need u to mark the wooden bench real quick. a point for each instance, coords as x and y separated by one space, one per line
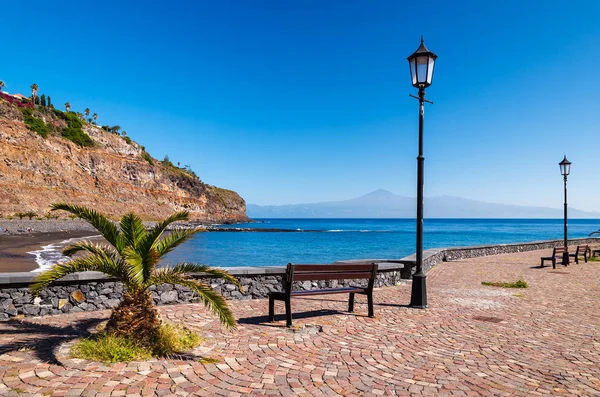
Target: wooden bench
294 272
582 250
557 252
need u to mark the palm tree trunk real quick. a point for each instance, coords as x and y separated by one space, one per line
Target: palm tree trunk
135 317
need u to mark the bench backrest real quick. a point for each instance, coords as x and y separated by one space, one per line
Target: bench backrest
559 251
583 249
302 272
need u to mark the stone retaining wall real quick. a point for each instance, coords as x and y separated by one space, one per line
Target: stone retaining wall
93 291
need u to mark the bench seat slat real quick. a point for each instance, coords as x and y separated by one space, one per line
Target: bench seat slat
328 291
299 276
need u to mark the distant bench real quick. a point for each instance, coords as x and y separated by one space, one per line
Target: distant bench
365 271
557 252
582 250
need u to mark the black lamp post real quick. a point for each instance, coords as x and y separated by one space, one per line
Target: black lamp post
565 169
421 72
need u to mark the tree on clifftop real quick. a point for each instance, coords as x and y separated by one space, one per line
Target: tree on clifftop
34 90
87 111
68 106
132 256
2 85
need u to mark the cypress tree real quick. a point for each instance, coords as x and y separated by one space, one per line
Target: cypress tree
37 100
49 103
43 100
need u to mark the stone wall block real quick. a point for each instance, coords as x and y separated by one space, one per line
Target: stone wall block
77 296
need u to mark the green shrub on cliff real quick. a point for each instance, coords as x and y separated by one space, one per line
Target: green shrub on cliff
73 131
148 158
35 124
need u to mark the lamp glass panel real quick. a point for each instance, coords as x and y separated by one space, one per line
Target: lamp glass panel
567 169
422 62
413 71
430 70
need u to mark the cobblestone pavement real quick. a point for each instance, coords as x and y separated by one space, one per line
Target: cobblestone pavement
472 341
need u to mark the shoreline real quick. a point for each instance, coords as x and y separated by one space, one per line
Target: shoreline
15 248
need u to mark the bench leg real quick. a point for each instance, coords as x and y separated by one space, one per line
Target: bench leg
542 264
288 312
351 303
585 257
576 259
554 263
370 303
271 309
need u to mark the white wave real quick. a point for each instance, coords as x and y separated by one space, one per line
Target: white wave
51 254
351 231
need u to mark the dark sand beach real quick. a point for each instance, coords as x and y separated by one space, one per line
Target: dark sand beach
14 248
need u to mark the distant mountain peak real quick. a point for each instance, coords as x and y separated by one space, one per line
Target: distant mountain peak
379 193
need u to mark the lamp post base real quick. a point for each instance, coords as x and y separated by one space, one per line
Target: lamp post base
565 259
418 297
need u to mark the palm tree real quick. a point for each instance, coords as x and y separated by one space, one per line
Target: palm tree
132 256
95 116
80 115
34 90
2 85
87 111
68 106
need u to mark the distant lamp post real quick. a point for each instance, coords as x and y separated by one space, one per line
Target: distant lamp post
565 169
421 72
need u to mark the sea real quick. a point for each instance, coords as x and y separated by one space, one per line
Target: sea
329 240
281 241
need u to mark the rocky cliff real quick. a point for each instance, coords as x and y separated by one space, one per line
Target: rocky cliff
114 176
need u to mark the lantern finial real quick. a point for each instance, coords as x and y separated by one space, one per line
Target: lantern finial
422 40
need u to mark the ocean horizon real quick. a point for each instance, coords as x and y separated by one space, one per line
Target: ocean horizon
328 240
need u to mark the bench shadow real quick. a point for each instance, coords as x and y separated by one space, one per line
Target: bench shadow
43 339
264 320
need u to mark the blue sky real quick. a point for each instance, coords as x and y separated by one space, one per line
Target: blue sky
306 101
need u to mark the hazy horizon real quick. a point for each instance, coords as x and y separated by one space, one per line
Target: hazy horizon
382 204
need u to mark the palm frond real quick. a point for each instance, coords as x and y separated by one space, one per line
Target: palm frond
134 265
170 242
88 247
107 264
155 232
187 268
108 229
132 230
213 301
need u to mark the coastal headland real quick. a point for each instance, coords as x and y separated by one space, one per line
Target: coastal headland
54 156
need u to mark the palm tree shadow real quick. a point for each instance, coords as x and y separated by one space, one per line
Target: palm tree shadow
43 340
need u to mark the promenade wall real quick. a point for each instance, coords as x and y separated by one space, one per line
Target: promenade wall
88 291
